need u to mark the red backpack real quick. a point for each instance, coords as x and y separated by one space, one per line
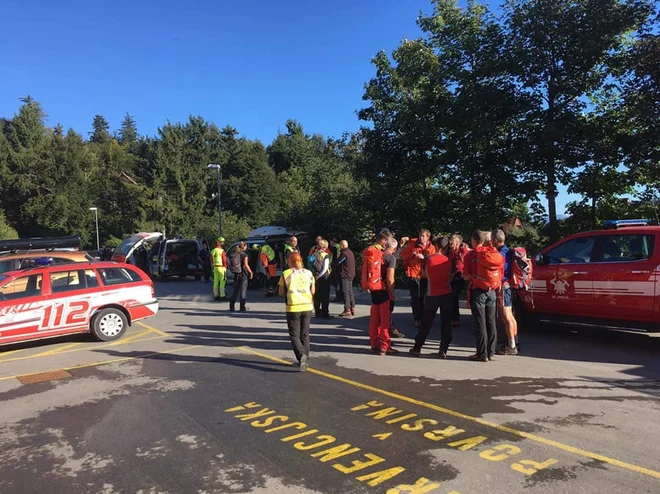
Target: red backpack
521 269
490 268
372 264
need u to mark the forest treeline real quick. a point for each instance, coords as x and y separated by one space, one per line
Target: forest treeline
480 119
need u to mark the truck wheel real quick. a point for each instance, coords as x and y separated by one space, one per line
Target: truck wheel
109 324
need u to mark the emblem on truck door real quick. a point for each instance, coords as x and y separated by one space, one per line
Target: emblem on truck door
560 286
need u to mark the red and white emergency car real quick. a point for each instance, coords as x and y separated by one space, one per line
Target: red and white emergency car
608 278
44 301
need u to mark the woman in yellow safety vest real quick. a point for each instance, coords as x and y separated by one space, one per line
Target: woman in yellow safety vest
297 284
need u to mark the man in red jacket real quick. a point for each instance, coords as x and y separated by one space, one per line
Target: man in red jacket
379 320
456 251
484 269
414 254
439 274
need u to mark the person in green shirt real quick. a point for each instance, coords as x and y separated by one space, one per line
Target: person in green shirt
219 262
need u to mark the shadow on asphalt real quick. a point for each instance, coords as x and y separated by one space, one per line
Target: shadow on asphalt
638 351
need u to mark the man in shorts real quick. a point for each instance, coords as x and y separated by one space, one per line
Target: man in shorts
505 301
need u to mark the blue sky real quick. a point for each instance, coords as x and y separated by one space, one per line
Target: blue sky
252 64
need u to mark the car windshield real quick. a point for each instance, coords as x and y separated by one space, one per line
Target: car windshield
128 244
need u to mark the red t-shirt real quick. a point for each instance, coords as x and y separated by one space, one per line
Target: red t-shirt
438 267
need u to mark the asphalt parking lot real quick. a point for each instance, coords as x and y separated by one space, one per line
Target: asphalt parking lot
198 399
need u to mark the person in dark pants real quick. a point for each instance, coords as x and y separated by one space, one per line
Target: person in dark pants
240 268
413 256
205 261
484 268
321 270
346 272
439 296
297 284
456 252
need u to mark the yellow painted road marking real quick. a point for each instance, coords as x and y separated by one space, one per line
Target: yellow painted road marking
111 361
3 354
127 339
492 425
80 349
56 350
155 330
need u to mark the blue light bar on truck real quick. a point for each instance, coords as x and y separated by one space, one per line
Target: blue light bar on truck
43 261
622 223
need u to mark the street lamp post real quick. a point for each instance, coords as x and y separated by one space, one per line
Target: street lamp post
216 167
96 215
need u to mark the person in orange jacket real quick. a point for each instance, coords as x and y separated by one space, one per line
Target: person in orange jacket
413 255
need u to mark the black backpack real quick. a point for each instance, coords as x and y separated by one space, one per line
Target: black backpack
318 264
235 264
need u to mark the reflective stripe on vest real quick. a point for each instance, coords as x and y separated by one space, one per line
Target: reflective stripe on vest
298 283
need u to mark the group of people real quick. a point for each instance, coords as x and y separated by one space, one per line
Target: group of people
220 265
437 272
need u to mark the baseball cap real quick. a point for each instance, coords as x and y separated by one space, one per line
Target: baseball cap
221 239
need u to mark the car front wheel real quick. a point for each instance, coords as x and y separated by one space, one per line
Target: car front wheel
109 324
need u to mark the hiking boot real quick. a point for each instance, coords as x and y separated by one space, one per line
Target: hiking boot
303 363
346 313
478 358
510 351
243 308
395 333
442 355
415 352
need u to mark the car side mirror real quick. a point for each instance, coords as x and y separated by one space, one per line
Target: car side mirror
540 259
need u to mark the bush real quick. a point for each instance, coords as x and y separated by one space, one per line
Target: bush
7 232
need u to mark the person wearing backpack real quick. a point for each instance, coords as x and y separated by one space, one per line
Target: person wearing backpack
320 267
484 269
240 268
505 302
413 256
373 280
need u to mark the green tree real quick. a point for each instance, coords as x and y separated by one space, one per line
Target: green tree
100 133
7 232
128 132
561 49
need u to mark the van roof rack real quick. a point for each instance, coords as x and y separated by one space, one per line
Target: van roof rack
40 243
614 224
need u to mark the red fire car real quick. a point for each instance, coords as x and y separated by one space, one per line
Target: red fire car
49 300
606 278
